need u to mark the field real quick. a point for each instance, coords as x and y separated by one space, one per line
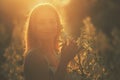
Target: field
93 24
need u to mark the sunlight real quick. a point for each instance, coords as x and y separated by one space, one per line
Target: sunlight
61 2
56 2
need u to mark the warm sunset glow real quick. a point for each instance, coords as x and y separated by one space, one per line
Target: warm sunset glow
61 2
55 2
59 39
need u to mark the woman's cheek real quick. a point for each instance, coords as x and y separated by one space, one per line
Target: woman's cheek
55 30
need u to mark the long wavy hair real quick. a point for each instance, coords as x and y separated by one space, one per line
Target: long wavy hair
30 38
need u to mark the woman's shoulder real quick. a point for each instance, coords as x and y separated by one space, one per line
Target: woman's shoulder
34 56
34 53
35 66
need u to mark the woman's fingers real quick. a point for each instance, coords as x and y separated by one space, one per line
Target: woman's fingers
70 49
73 44
70 45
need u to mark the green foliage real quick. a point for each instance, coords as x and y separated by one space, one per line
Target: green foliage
86 65
13 66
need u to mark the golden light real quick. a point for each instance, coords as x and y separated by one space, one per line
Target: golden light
61 2
56 2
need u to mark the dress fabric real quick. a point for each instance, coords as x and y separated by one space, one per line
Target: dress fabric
37 66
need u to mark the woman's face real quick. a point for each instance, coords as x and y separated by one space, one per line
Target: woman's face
46 24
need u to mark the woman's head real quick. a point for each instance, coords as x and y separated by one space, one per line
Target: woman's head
43 25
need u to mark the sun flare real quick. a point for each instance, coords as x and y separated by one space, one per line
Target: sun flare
56 2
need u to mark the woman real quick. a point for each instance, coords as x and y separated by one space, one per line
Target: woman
42 38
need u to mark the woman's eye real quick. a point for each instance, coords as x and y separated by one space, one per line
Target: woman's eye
41 23
52 21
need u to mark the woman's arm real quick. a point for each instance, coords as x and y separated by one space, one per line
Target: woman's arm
61 71
68 52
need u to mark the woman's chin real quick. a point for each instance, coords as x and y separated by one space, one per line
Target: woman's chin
47 37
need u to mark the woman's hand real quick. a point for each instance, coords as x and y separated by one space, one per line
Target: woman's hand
68 51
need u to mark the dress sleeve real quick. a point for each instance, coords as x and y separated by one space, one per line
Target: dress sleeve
35 67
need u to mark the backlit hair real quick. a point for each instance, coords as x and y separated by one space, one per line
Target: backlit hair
34 14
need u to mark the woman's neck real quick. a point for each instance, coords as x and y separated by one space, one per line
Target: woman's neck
48 49
48 46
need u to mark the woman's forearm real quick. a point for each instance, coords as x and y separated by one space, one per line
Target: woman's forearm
61 71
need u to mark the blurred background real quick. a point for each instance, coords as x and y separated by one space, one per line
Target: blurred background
94 24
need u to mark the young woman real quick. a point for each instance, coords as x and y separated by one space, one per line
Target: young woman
42 38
